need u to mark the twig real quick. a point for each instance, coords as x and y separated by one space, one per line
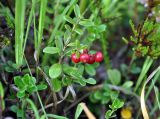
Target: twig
114 87
76 102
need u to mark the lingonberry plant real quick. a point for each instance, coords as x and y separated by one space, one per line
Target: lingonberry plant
61 57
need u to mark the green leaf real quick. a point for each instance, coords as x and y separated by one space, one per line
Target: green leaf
90 70
86 23
114 95
14 108
26 79
55 70
117 104
67 36
127 85
77 11
77 44
67 81
32 80
98 95
101 28
78 111
51 50
81 82
72 71
68 27
68 69
1 90
9 69
135 70
72 44
76 75
92 99
90 81
133 28
31 89
18 82
78 31
114 76
56 85
105 100
59 44
81 69
108 114
69 19
41 87
21 94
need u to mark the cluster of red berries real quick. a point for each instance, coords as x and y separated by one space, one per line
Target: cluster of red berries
87 58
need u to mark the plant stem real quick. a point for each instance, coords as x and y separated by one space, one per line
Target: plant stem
41 105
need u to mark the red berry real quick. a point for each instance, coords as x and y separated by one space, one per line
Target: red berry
74 58
91 59
84 57
98 57
85 51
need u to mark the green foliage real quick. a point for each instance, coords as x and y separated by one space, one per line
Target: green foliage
90 81
114 76
27 85
57 85
2 103
77 11
104 96
51 50
115 105
60 28
90 70
145 37
17 110
127 85
55 70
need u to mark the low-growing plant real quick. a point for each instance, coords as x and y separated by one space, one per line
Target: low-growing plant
63 57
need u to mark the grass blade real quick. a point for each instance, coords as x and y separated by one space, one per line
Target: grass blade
41 25
147 64
143 106
19 30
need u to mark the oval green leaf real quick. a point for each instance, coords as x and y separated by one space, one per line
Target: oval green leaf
90 69
90 81
55 70
51 50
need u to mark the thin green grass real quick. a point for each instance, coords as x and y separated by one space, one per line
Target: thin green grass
19 30
157 96
147 64
143 105
33 106
156 77
29 22
40 27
